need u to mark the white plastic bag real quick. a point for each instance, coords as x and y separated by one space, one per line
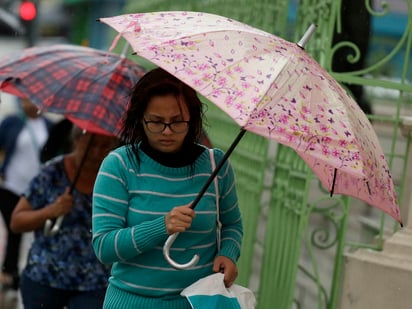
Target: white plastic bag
210 293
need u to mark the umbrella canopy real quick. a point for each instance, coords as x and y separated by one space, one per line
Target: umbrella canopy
88 86
273 88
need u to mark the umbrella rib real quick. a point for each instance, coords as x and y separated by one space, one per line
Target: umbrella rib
333 182
79 168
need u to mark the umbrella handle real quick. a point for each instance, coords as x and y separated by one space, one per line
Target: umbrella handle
170 240
50 230
166 248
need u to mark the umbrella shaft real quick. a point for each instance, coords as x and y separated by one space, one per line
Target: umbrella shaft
218 167
79 168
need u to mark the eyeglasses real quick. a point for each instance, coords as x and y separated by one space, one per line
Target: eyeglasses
160 126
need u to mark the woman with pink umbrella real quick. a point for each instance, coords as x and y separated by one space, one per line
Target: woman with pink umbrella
144 192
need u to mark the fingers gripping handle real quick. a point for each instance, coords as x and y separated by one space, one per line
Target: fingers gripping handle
166 253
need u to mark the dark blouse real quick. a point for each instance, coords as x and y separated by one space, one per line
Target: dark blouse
66 260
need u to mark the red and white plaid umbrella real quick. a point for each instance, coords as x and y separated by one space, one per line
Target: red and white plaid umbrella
88 86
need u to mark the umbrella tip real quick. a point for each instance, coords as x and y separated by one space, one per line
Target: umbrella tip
305 38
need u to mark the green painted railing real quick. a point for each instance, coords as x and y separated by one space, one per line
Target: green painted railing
295 234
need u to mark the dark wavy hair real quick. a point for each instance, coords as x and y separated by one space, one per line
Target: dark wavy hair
159 82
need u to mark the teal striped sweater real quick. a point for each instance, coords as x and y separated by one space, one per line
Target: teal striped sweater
129 205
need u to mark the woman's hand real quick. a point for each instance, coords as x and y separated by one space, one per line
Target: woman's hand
63 204
24 218
225 265
179 219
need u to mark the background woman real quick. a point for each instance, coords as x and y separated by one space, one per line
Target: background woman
62 270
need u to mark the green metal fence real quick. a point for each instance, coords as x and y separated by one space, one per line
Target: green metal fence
295 234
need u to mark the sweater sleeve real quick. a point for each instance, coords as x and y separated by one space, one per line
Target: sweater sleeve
230 216
113 239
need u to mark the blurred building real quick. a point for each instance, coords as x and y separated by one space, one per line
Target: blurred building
83 15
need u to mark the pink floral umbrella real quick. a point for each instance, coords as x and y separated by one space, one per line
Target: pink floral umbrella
273 88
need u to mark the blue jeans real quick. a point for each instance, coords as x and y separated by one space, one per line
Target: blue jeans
36 296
